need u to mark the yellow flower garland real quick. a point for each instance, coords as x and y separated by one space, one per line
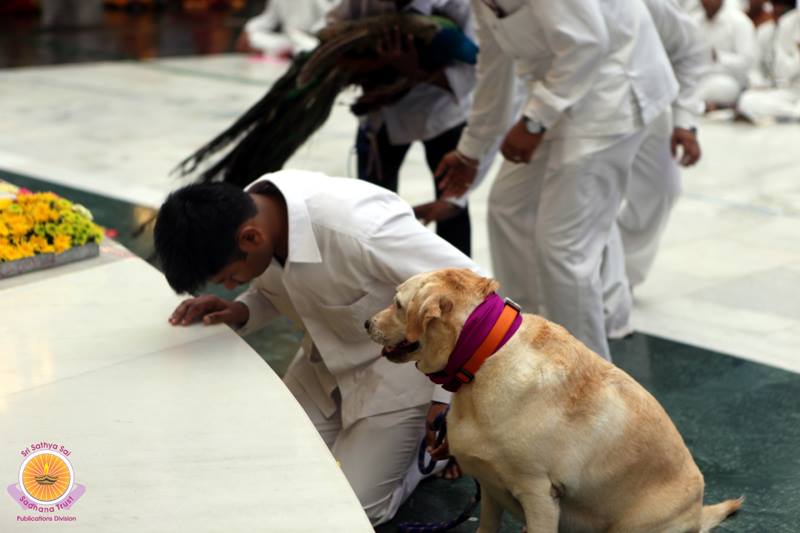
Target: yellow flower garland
43 223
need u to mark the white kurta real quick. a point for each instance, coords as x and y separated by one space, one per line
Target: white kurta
427 110
732 36
350 244
596 74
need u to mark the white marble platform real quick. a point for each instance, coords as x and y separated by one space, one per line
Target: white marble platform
170 429
727 277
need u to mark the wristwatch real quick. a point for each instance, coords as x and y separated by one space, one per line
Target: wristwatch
533 126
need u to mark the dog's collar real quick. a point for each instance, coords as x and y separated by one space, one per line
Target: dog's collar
486 330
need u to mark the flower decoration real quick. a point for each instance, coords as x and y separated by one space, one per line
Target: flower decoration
41 223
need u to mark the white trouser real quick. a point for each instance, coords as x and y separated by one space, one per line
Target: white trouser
377 454
652 191
776 104
550 222
719 88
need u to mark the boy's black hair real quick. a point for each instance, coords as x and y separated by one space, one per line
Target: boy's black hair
195 232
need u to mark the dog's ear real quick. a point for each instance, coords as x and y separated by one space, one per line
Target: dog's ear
488 286
422 310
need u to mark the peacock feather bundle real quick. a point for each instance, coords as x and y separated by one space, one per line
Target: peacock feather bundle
299 103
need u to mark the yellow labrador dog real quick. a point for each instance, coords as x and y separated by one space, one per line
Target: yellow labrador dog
556 435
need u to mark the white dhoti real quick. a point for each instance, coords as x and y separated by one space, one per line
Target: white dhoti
781 105
719 88
550 222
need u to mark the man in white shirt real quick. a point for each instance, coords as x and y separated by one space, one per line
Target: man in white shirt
655 184
327 253
284 27
433 112
778 99
597 77
732 38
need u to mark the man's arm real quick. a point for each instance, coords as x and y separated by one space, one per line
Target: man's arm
491 105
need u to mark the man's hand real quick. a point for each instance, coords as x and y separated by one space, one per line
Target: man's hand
456 173
211 310
440 451
520 144
687 140
399 52
436 211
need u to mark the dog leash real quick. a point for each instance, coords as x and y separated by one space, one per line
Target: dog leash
439 425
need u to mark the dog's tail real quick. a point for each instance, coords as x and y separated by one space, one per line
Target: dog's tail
713 515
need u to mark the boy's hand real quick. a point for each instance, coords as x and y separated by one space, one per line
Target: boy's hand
212 310
457 173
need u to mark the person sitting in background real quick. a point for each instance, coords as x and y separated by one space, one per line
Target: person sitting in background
778 97
284 28
732 38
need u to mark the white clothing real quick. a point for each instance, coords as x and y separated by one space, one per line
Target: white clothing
732 36
656 182
350 244
548 231
719 88
296 20
688 53
591 69
778 97
596 73
382 481
771 105
652 191
763 69
427 110
787 51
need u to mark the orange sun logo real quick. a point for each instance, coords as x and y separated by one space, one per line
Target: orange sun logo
46 477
